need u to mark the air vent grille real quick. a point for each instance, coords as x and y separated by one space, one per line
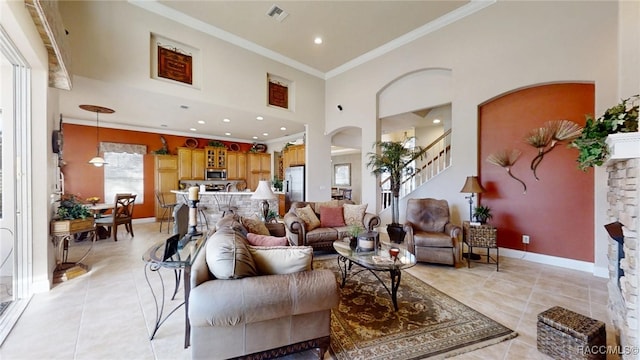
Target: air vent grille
277 13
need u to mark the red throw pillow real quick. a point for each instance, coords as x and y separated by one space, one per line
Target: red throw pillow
331 216
265 240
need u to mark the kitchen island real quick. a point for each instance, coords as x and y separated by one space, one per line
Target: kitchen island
213 203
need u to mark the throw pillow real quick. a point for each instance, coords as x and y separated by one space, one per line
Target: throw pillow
277 260
228 256
255 226
331 216
309 217
265 240
354 214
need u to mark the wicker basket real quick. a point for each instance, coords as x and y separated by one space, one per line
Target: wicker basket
564 334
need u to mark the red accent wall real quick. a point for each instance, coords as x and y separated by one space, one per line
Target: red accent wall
556 211
86 180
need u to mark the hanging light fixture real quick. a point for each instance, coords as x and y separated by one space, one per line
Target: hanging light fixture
97 161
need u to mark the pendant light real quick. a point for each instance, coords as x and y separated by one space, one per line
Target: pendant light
97 161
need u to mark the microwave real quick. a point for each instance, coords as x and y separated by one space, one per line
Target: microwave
215 174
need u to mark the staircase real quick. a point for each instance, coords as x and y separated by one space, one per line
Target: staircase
436 159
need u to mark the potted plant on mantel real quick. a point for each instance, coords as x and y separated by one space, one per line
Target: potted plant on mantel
72 216
394 158
592 146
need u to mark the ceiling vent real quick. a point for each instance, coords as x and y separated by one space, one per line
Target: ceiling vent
277 13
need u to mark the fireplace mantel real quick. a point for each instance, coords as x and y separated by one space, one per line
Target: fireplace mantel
624 145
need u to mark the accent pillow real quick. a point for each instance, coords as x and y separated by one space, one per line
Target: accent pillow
331 216
277 260
228 256
266 240
354 214
309 217
255 226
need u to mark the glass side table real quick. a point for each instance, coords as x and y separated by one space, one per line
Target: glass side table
177 255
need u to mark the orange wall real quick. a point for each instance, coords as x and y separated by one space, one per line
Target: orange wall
86 180
556 211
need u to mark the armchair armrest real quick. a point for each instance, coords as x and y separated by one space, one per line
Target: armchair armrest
452 229
408 229
199 269
371 221
295 229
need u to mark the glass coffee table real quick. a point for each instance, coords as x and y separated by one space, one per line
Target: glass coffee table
375 261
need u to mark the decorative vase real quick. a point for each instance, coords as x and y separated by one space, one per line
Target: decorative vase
396 233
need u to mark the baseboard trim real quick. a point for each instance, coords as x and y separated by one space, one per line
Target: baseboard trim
556 261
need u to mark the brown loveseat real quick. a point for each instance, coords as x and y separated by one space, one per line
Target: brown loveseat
245 313
321 238
430 235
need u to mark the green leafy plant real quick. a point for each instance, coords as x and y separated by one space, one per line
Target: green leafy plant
216 143
277 183
71 208
482 213
592 146
272 216
355 230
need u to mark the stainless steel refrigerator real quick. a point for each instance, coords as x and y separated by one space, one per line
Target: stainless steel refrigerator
293 184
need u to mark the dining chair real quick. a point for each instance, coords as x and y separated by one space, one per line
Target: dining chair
166 209
346 194
122 214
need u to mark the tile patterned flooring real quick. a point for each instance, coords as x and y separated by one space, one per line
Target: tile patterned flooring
109 312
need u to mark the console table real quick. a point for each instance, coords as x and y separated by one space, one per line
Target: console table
62 232
177 255
483 236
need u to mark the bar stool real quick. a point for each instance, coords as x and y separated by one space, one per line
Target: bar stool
201 212
166 208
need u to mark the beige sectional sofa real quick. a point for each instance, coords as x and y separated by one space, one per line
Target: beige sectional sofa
258 302
322 237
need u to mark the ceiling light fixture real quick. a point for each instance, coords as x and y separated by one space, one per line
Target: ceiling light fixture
317 40
228 133
254 137
226 120
265 134
193 129
436 121
184 107
259 118
283 128
97 161
201 122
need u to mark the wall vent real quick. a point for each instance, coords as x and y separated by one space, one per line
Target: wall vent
277 13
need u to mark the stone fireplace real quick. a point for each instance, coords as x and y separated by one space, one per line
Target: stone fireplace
623 197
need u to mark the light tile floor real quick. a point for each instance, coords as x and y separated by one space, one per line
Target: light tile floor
109 313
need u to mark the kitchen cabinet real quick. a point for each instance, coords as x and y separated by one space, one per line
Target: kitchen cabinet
191 164
236 165
258 168
293 155
166 179
216 157
282 209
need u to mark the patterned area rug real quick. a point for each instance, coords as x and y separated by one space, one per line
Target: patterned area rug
428 324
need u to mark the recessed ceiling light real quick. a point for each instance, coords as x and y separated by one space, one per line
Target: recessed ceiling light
254 137
283 128
193 129
436 121
228 133
226 120
317 40
184 107
265 134
200 121
163 125
259 118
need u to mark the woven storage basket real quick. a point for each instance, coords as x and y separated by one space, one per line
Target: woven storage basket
564 334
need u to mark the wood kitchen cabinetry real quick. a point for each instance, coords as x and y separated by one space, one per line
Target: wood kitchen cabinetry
166 179
216 157
236 165
259 168
191 163
293 155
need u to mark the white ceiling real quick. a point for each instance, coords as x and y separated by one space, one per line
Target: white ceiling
353 32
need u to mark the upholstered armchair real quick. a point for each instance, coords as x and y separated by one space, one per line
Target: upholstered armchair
430 235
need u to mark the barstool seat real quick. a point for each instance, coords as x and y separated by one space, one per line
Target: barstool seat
166 209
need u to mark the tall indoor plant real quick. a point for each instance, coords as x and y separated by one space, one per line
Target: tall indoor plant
394 157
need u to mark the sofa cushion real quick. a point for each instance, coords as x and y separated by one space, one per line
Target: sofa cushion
321 235
255 226
309 217
278 260
331 216
353 214
320 204
266 240
228 256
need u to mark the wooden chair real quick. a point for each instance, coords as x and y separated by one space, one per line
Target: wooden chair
166 209
122 214
346 194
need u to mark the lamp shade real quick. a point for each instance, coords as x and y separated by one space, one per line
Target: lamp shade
472 185
263 191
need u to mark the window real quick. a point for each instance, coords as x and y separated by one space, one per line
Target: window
124 173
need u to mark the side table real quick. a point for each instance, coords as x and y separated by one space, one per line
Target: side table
177 255
62 234
483 236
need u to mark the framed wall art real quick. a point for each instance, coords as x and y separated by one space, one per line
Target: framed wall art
342 174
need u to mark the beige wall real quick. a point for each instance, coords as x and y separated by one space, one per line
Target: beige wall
506 46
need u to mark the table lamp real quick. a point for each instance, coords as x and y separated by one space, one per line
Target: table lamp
472 186
263 192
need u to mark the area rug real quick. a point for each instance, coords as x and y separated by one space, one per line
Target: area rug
428 323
